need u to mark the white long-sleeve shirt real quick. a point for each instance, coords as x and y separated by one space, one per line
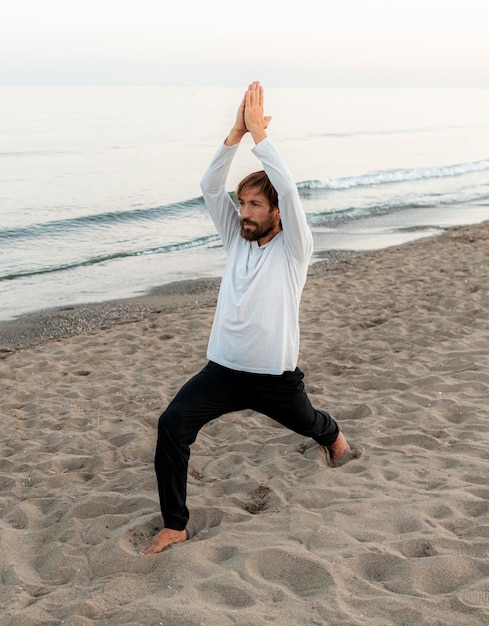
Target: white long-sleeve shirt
256 324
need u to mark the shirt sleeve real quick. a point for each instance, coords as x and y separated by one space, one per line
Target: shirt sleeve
219 203
297 234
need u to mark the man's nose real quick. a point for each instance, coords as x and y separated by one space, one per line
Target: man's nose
244 211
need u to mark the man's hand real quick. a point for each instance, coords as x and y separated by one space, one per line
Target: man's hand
239 124
249 117
239 130
255 120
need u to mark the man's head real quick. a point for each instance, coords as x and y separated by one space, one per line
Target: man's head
258 207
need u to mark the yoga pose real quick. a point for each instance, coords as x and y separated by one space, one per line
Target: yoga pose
254 342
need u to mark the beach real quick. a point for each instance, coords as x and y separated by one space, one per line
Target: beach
394 345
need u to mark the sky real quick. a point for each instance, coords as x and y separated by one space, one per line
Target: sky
326 43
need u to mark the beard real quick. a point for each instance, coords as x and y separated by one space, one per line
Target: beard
258 231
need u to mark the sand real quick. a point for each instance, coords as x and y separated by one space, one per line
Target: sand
394 344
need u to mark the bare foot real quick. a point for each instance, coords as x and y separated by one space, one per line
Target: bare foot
163 539
340 452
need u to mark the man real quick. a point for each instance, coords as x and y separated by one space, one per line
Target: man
254 342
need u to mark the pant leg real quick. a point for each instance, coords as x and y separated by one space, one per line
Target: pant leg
284 399
203 398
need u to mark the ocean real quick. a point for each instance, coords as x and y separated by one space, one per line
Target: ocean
99 186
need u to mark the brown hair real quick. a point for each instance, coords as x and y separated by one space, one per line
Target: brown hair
262 182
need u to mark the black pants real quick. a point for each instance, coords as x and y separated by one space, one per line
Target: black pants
212 392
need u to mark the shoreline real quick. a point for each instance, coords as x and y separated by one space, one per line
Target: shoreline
55 323
51 324
359 236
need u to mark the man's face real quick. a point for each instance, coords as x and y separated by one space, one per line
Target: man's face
259 221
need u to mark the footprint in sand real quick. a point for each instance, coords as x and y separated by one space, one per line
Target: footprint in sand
303 576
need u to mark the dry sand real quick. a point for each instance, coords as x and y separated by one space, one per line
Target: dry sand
394 344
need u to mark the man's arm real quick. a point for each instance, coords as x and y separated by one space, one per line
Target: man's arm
213 184
296 231
218 202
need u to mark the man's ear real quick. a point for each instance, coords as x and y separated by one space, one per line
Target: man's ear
278 215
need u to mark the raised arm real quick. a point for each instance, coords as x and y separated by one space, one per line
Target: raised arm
213 184
295 228
296 231
219 203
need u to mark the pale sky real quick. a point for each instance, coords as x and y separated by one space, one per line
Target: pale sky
331 43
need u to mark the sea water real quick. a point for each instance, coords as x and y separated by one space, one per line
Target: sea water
99 186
